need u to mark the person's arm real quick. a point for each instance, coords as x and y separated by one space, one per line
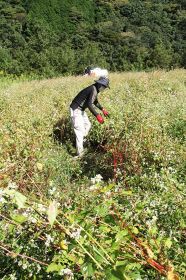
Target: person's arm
91 101
97 104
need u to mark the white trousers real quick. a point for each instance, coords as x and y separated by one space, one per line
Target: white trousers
81 125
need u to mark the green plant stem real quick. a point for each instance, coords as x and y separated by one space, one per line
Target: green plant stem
85 250
89 235
94 248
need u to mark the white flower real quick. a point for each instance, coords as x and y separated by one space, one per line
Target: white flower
41 208
12 277
2 200
149 223
20 263
38 268
27 212
93 188
48 240
108 194
33 220
97 179
12 185
66 271
154 218
76 234
52 191
24 266
93 181
57 194
153 203
84 268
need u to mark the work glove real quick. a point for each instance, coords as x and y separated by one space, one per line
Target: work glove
100 119
106 114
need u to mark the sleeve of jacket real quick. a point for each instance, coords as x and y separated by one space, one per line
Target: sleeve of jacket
91 100
97 104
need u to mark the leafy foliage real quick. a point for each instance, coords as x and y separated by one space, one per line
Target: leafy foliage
63 37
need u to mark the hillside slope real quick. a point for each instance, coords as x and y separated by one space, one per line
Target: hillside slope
50 38
62 16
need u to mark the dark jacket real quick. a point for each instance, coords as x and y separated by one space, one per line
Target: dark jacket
86 98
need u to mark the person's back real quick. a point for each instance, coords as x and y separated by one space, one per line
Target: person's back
82 98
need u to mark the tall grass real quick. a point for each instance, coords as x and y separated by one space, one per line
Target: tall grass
139 151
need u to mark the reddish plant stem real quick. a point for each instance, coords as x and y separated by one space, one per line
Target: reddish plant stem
11 253
160 268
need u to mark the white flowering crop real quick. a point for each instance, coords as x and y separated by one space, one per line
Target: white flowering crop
97 179
76 234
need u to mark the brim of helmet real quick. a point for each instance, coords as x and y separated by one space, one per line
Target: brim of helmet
98 82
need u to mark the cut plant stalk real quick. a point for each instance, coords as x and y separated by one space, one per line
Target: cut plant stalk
85 250
94 240
160 268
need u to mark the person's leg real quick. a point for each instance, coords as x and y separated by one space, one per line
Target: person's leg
87 123
79 129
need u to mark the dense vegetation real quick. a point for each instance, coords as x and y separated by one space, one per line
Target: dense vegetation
59 219
62 37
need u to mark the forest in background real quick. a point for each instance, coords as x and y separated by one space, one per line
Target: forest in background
53 37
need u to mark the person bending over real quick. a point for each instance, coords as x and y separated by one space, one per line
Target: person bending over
87 98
